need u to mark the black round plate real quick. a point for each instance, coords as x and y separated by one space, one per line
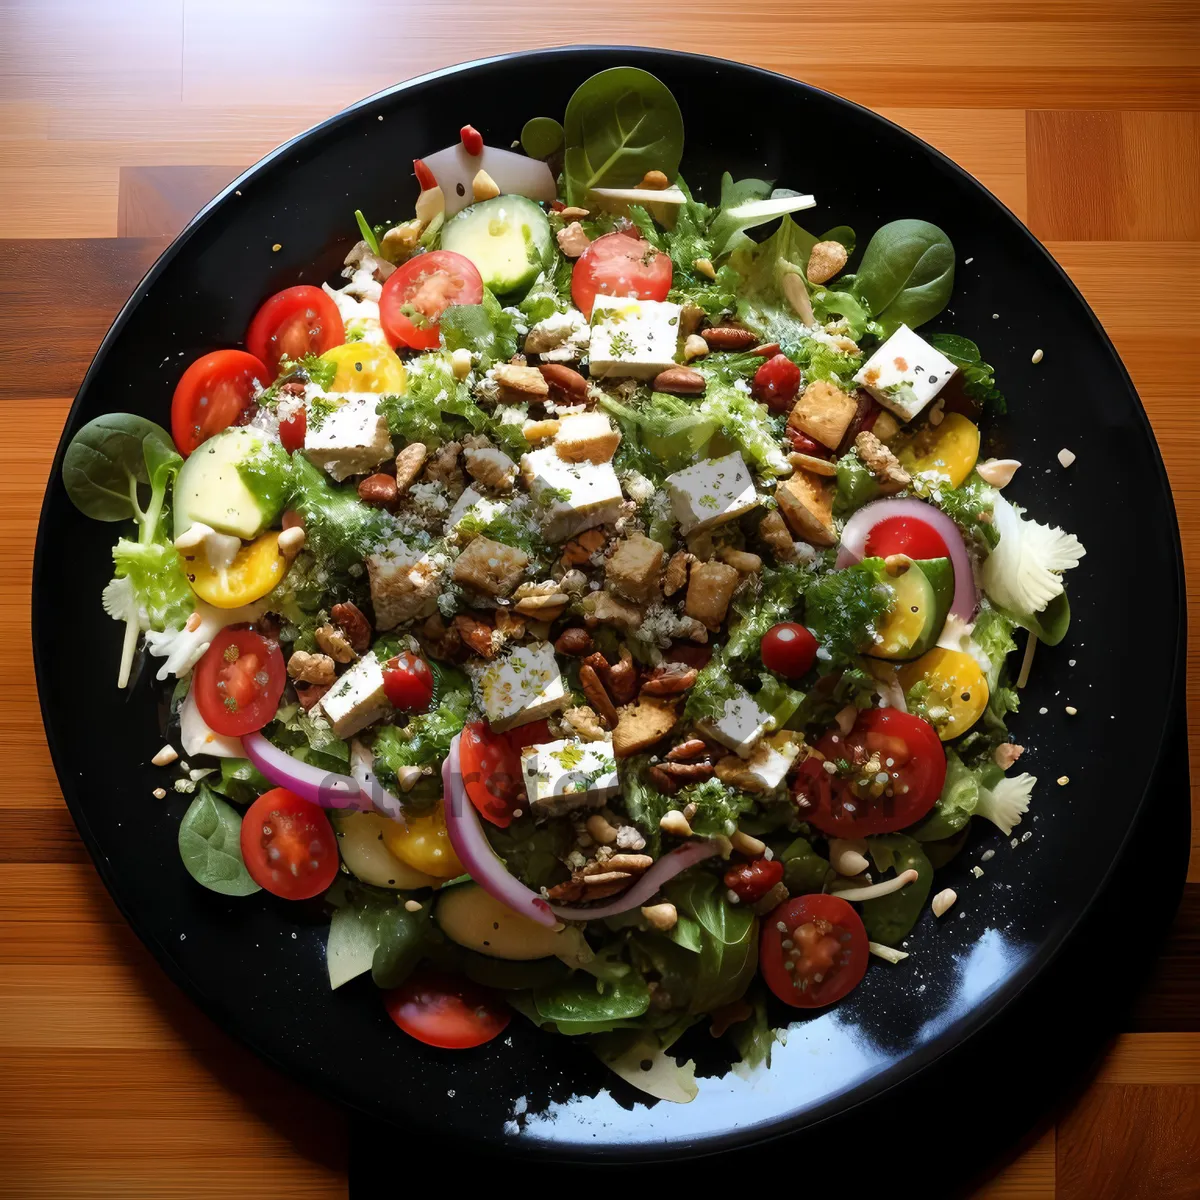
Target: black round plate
257 965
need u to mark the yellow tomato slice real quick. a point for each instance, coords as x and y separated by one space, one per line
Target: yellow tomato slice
366 367
950 448
424 844
957 689
257 568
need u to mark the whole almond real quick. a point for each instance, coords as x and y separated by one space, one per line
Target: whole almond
379 491
682 381
729 337
563 379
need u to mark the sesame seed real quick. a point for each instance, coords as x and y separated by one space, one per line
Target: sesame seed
1063 780
160 793
1071 710
987 855
1037 357
277 247
1066 457
412 905
1043 711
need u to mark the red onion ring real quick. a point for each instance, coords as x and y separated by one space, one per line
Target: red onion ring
475 851
326 788
854 543
667 867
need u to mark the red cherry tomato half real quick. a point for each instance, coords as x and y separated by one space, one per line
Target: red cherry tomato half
238 682
803 444
408 683
416 294
853 803
905 535
288 845
619 264
776 383
491 771
788 649
293 429
216 391
751 881
536 733
297 321
446 1011
823 940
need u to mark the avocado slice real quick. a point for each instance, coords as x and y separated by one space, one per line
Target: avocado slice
233 482
474 918
923 594
507 238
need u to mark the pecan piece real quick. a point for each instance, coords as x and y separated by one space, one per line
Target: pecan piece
681 381
661 780
599 699
685 751
575 642
621 680
676 575
476 634
670 679
580 550
729 337
688 772
409 462
563 379
379 491
349 618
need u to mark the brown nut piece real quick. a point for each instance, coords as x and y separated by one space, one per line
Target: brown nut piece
766 350
379 491
526 382
335 643
576 642
312 668
509 624
309 694
563 379
692 748
443 641
661 780
409 462
729 337
635 864
688 772
680 381
599 699
476 634
676 575
671 679
580 550
655 180
621 679
349 618
825 261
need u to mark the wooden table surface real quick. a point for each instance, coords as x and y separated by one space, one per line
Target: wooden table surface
119 118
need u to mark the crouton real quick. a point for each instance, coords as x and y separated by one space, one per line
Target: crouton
641 725
710 588
404 584
634 567
824 413
586 437
806 501
490 567
603 608
774 531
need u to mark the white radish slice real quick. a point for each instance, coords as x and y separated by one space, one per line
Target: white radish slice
758 212
623 196
514 175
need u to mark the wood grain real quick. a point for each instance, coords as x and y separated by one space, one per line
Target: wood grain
120 118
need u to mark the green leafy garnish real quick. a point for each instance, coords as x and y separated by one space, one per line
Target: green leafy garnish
367 232
843 608
978 377
210 846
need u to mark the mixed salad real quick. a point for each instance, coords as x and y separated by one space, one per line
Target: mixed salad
605 611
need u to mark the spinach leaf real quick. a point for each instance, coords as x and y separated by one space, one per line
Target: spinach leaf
1051 624
108 459
583 1004
533 853
729 947
906 275
953 808
888 919
372 930
804 870
239 781
978 377
403 938
210 846
541 137
620 124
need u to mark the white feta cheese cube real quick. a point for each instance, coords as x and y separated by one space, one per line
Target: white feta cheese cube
711 493
346 433
635 338
570 497
357 699
740 725
769 761
479 507
569 774
522 687
905 373
404 583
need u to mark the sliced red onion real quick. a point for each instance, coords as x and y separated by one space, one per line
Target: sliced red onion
362 769
858 528
667 867
475 851
326 788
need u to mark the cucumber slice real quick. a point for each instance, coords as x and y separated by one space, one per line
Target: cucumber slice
477 920
507 238
922 599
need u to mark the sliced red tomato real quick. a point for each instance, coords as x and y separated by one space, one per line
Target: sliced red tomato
446 1011
905 535
536 733
292 430
491 771
619 264
408 682
417 293
216 391
788 649
889 770
812 950
288 845
238 682
776 383
751 881
297 321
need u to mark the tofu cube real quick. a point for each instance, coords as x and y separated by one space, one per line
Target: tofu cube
404 583
525 686
490 567
710 588
905 373
740 725
711 493
632 338
641 724
569 774
586 437
346 434
765 769
634 567
806 501
570 497
824 413
480 509
357 699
